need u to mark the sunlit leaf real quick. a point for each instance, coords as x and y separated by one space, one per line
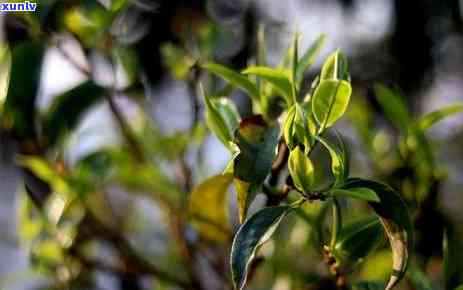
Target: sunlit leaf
339 161
68 108
335 67
432 118
396 221
309 57
357 193
208 207
330 100
278 78
301 170
254 232
393 106
357 239
234 78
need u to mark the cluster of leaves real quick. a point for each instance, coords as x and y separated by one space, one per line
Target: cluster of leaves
305 122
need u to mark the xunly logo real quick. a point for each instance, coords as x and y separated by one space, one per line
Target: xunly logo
20 6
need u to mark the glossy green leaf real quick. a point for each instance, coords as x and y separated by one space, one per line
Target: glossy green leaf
329 101
257 144
229 113
357 193
295 127
432 118
68 108
254 232
278 78
453 260
309 57
393 106
19 107
395 218
335 67
234 78
339 161
301 170
357 239
208 207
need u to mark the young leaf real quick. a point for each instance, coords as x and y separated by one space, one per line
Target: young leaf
295 128
395 218
329 101
393 106
216 122
68 108
358 193
309 57
335 67
254 232
357 240
301 170
234 78
257 144
19 107
453 260
432 118
208 207
278 78
339 162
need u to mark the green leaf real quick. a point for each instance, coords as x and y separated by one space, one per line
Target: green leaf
278 78
68 108
219 120
335 67
358 193
309 57
295 128
368 286
257 144
393 106
453 260
432 118
229 113
19 108
395 218
339 161
330 101
459 287
234 78
357 239
254 232
301 170
246 192
208 207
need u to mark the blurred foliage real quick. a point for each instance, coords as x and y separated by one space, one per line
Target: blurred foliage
288 147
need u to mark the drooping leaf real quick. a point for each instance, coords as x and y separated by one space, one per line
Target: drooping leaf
234 78
301 170
19 108
339 161
453 260
395 218
309 57
254 232
330 100
432 118
335 67
362 193
357 239
257 144
68 108
393 106
278 78
208 207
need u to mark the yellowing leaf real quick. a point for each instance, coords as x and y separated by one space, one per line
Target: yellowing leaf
208 207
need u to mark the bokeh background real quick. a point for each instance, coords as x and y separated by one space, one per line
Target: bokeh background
414 45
